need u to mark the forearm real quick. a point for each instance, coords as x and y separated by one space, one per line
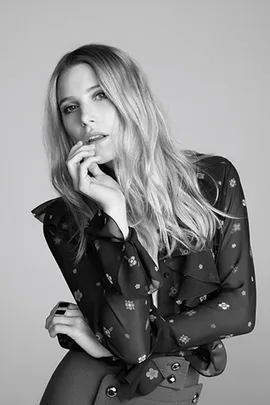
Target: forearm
119 215
95 349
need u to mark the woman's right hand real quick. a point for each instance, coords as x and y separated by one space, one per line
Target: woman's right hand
100 187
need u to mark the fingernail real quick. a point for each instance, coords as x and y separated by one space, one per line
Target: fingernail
60 311
63 304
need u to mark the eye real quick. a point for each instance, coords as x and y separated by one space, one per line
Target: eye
99 94
69 109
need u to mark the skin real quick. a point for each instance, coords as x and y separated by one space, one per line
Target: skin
92 108
99 114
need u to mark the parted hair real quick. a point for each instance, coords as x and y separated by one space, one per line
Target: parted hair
158 179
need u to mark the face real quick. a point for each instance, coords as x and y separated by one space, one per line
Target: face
81 100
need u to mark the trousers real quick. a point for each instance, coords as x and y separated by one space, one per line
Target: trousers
80 379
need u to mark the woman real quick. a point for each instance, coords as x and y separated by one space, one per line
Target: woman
152 241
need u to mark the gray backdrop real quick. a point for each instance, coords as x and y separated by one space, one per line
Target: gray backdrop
208 62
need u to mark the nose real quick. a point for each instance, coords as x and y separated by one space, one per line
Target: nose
87 116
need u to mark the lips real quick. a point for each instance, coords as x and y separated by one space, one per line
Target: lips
96 136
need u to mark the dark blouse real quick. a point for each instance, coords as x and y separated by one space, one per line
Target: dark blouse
203 297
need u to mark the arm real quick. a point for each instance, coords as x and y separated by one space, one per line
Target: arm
230 310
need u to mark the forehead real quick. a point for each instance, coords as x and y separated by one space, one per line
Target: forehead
74 81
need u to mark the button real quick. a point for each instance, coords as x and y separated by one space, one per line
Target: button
195 398
166 274
175 366
171 379
111 392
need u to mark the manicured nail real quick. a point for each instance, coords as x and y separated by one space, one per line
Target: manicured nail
60 312
63 304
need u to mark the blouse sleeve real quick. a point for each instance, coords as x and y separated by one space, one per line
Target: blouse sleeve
230 310
130 276
111 284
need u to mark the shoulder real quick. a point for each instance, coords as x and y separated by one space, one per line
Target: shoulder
53 210
213 165
214 173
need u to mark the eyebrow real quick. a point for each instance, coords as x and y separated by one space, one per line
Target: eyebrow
72 98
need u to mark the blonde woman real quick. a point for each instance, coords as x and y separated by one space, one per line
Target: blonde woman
153 242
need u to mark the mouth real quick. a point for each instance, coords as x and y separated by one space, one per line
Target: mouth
96 138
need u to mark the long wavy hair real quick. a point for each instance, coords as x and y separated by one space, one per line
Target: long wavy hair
157 178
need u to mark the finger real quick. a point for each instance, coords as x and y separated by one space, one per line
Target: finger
76 323
61 305
71 313
74 163
90 164
61 328
81 148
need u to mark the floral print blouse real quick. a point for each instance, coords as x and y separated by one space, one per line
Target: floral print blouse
203 297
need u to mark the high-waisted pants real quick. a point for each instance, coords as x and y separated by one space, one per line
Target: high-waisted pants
80 379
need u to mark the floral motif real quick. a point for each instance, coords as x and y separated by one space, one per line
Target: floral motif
213 325
234 269
190 313
232 182
203 298
236 227
99 336
178 302
227 336
108 331
244 292
57 240
173 290
109 278
184 339
151 289
98 284
78 295
129 305
220 346
142 358
152 318
200 175
132 261
152 373
234 245
127 336
137 286
74 271
200 266
224 306
181 353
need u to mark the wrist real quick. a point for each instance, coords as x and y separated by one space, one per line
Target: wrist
119 215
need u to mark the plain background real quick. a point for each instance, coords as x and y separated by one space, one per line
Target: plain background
208 62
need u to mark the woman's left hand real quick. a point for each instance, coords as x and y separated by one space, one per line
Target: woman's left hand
75 325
